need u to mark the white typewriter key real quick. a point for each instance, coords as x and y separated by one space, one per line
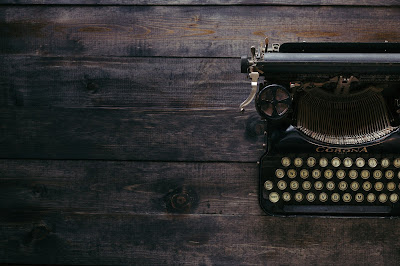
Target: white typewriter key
286 196
291 173
398 174
294 185
311 161
383 198
268 185
379 186
335 162
310 197
323 197
323 162
396 162
359 197
394 198
317 173
391 186
330 185
279 173
365 174
367 186
347 162
335 197
372 162
385 162
304 173
360 162
342 185
274 197
281 185
354 186
328 174
319 185
340 174
371 197
346 197
353 174
389 174
285 161
298 196
377 174
298 162
306 185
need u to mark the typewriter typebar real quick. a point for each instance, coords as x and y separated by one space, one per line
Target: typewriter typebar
332 116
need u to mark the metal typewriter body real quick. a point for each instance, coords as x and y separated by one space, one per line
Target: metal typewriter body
332 116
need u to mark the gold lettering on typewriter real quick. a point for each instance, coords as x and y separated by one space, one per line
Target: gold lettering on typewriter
341 150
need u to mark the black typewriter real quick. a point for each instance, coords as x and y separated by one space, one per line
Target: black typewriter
332 116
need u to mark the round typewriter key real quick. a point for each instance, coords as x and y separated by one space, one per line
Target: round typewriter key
286 196
311 161
360 162
323 197
274 197
298 196
298 162
377 174
281 185
294 185
359 197
330 185
378 186
268 185
285 161
342 185
335 162
328 174
340 174
346 197
323 162
310 197
291 173
335 197
347 162
389 174
279 173
383 198
372 162
394 198
391 186
304 173
385 162
398 174
319 185
371 197
317 173
354 186
396 162
306 185
365 174
353 174
367 186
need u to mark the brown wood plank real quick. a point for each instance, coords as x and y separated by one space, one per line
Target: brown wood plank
130 134
191 31
101 238
32 188
124 82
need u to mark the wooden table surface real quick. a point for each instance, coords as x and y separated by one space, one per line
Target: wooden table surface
121 140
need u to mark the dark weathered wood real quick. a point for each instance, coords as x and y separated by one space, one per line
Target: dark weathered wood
129 82
33 188
130 134
204 31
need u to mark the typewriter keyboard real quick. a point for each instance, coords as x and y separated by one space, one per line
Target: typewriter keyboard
330 184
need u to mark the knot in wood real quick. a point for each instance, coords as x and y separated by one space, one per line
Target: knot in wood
181 200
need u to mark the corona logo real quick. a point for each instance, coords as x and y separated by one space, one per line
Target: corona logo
339 150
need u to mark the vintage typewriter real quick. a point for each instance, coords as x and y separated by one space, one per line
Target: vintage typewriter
332 116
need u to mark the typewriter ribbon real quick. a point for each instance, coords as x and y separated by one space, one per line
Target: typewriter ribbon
333 113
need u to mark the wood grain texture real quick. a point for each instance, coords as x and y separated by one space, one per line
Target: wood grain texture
130 134
191 31
124 82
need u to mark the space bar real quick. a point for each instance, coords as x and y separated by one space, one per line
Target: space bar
336 209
